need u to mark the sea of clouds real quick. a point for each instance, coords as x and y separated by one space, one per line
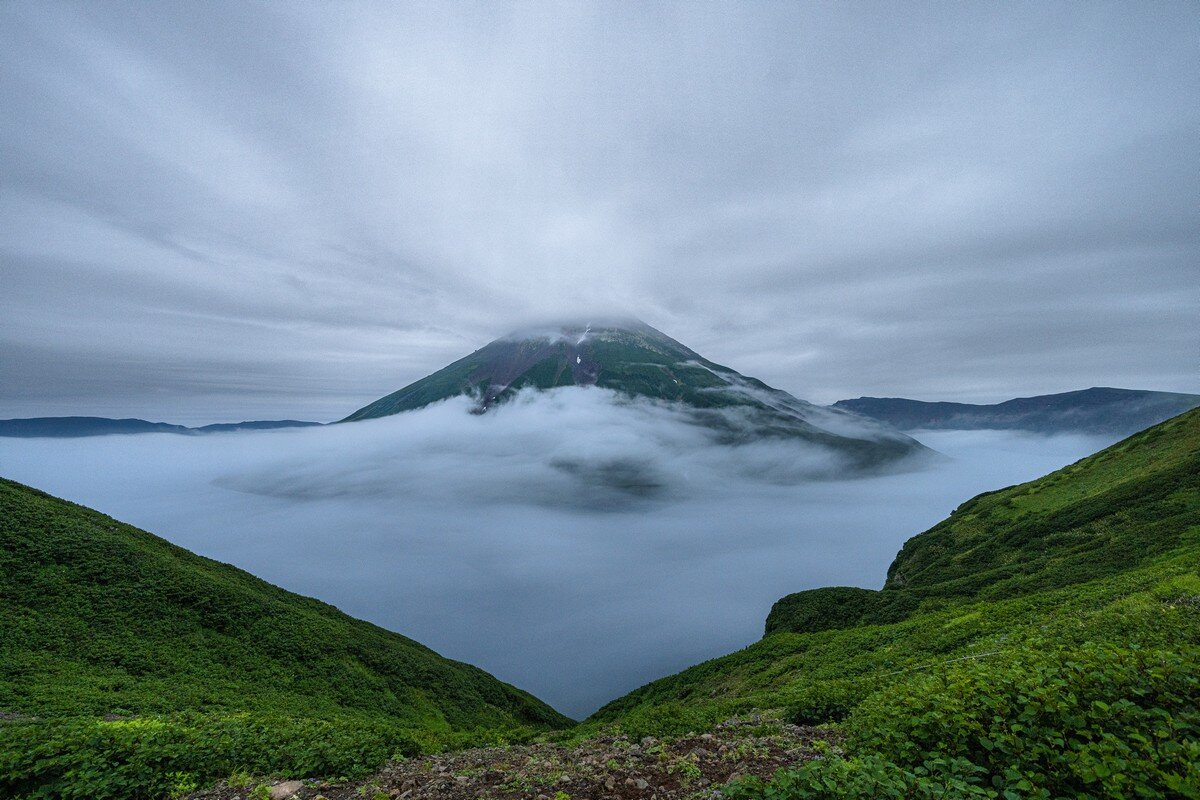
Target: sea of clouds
570 542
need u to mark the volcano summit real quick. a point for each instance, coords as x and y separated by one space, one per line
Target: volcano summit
636 361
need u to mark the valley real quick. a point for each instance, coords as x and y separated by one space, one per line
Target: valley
1086 576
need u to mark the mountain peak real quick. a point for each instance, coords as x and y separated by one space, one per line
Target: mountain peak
633 359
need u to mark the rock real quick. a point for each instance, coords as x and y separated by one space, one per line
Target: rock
640 783
282 791
610 783
649 741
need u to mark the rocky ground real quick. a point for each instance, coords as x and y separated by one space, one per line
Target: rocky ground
603 768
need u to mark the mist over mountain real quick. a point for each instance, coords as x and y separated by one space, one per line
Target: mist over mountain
1099 411
637 362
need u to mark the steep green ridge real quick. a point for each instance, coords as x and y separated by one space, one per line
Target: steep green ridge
1101 516
1085 583
636 360
100 618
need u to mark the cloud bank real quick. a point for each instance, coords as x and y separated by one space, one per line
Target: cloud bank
575 546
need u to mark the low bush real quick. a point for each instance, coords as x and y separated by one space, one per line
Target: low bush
1098 722
823 702
157 757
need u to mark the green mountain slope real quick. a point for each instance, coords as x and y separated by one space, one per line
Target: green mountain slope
1088 576
100 618
636 360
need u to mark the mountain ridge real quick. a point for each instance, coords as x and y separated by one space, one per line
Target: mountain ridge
80 426
1099 410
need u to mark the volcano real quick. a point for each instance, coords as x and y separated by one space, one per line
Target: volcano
637 362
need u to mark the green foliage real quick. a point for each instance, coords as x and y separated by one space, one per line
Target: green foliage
1099 720
870 777
102 619
156 757
668 719
822 702
829 608
1095 722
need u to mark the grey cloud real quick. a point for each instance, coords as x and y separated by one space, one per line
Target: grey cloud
838 199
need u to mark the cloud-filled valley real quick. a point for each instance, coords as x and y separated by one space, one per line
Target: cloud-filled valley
569 542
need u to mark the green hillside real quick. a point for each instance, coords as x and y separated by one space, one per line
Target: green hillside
120 646
1043 641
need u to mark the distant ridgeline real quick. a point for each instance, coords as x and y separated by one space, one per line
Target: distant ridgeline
70 427
1117 412
1043 641
635 360
130 667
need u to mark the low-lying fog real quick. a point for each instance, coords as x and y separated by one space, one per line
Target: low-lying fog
571 545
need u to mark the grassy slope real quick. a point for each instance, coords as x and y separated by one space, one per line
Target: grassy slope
100 618
1101 551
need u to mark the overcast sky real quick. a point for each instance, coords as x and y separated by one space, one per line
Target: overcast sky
224 211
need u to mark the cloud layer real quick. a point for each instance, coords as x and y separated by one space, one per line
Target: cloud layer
229 210
572 545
